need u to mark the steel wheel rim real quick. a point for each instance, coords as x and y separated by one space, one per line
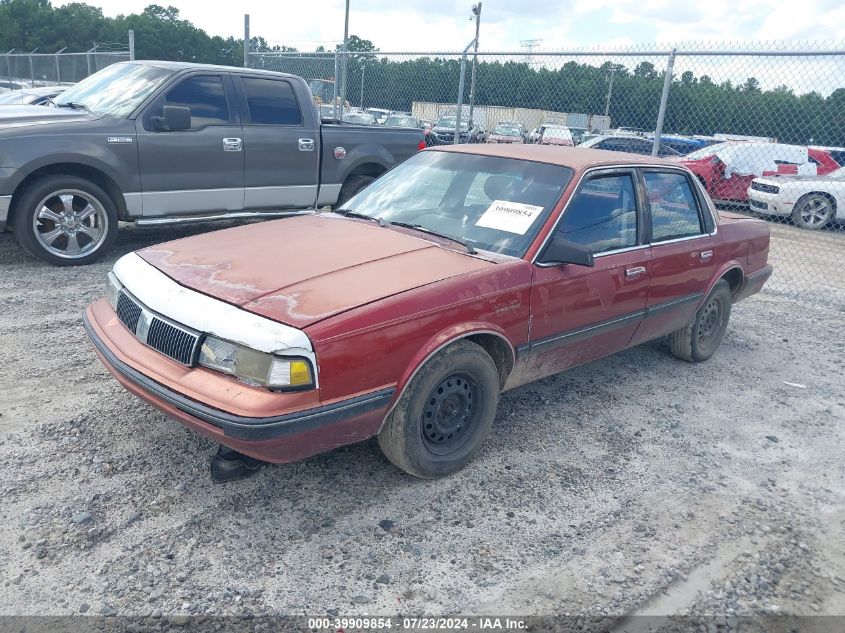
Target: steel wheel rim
815 212
70 223
710 322
450 413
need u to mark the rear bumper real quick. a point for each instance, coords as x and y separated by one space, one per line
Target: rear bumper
5 203
754 282
277 438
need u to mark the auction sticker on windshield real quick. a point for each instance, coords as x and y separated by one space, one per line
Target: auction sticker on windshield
513 217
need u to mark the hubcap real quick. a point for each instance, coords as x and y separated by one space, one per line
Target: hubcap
450 413
70 223
711 321
815 212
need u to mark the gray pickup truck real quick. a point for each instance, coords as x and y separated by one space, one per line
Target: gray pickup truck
162 142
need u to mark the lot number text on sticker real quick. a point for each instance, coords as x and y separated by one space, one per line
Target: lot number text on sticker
513 217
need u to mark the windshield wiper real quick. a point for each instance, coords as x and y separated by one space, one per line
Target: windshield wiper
419 227
73 105
349 213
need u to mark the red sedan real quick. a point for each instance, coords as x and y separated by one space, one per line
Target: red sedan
463 272
727 169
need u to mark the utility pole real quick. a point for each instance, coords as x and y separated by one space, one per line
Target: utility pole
476 15
131 44
609 90
246 40
345 57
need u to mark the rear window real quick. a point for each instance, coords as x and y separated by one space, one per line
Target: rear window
271 102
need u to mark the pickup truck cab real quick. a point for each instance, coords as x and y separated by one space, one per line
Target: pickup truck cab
159 142
465 271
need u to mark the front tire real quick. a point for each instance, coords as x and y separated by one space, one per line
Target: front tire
65 220
702 336
813 211
445 414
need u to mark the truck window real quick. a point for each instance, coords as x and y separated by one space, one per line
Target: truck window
205 95
271 102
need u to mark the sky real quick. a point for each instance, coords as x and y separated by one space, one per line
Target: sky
445 25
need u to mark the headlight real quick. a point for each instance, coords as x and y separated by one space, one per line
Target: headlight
113 291
252 366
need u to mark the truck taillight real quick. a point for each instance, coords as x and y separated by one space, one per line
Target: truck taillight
421 145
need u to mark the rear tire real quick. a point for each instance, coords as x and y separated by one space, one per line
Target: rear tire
65 220
702 336
445 414
353 185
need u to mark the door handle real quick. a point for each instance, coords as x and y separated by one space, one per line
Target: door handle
632 273
232 144
306 145
705 255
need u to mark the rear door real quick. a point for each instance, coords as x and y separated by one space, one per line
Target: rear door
281 144
196 170
683 250
580 313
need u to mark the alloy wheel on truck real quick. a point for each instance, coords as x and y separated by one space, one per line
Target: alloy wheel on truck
65 220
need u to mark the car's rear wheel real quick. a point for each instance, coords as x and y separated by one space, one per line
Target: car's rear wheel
445 414
351 186
65 220
702 336
813 211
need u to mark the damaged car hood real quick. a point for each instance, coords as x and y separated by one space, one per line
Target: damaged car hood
304 269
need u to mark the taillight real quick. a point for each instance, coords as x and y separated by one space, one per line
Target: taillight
420 145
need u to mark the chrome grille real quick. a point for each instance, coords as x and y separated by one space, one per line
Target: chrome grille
128 311
759 186
164 336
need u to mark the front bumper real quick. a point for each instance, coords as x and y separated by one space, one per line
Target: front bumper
5 203
769 203
298 429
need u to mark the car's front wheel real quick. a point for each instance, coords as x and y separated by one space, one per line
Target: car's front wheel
813 211
702 336
65 220
445 414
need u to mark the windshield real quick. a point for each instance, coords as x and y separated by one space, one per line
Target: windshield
495 204
704 152
116 90
449 124
506 130
400 121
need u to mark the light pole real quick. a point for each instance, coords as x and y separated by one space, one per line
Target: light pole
476 15
345 56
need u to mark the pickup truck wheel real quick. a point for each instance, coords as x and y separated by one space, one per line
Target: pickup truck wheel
813 211
65 221
350 187
702 336
445 413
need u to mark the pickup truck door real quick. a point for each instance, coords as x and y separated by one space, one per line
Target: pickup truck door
580 313
281 144
684 252
197 170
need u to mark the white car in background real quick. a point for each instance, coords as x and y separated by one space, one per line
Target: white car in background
811 201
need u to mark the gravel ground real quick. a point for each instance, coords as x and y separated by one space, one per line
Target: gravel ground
637 485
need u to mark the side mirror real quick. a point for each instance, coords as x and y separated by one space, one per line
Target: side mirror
561 251
173 118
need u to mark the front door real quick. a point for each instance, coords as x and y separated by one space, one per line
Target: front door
580 313
198 170
683 251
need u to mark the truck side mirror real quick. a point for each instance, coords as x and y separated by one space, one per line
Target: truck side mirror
173 118
561 251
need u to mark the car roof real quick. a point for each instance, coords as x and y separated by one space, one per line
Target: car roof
177 66
578 158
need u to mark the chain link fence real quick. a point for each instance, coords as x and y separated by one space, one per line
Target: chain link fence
762 127
26 70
